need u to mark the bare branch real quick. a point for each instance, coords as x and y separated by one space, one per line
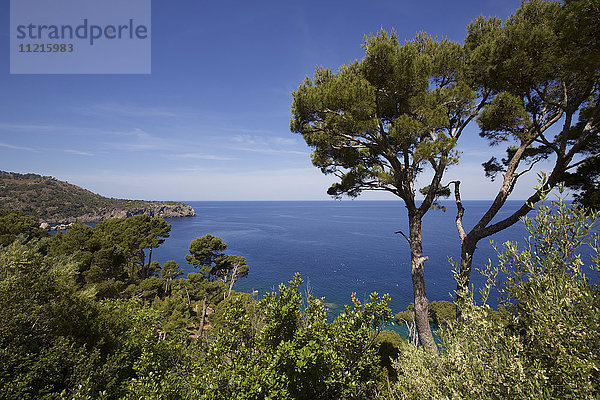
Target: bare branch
584 137
475 112
460 210
433 187
582 161
542 139
356 146
552 181
564 134
506 188
532 164
557 115
405 237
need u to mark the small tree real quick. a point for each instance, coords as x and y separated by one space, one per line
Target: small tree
132 237
232 269
14 223
206 252
169 271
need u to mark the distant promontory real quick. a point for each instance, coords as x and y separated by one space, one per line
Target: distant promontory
56 202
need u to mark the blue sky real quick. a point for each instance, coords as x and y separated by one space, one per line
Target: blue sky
211 122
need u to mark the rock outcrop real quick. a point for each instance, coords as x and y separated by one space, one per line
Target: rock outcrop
162 210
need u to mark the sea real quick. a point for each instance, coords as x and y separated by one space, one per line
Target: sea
338 247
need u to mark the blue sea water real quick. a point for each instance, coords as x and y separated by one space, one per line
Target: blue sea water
339 247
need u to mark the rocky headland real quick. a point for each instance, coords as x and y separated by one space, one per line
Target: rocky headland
58 204
163 210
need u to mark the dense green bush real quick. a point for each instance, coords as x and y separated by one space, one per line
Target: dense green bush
278 349
14 223
55 338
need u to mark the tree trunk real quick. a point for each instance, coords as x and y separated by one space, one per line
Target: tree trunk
233 278
168 286
203 317
131 269
467 249
143 266
418 280
483 228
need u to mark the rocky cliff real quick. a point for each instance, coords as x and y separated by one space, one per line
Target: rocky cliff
163 210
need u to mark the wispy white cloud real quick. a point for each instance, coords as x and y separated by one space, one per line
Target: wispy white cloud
247 132
139 140
77 152
28 127
130 110
83 129
137 133
201 156
10 146
271 151
267 144
195 170
285 141
264 140
45 149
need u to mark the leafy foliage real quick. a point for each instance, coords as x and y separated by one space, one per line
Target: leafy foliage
54 338
58 340
112 256
543 64
377 122
14 223
206 252
541 70
279 349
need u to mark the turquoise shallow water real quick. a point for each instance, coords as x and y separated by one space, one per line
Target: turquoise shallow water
339 247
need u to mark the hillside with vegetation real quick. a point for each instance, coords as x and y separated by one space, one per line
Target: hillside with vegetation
53 201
